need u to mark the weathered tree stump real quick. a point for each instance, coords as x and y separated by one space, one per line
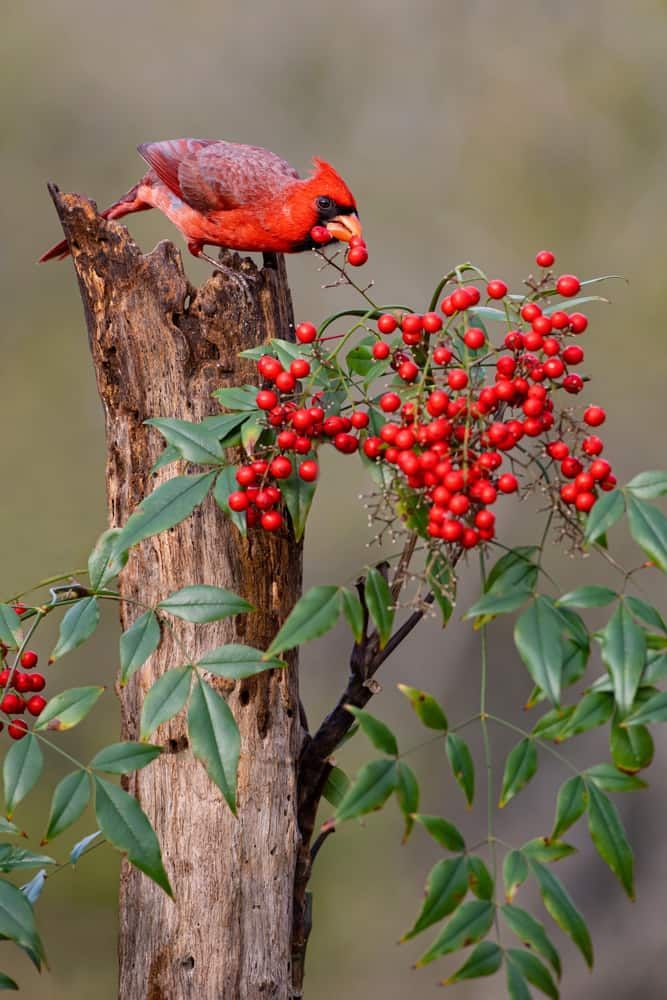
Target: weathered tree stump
160 347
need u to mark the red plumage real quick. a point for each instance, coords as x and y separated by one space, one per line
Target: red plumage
241 197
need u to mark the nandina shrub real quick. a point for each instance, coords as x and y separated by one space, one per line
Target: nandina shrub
471 405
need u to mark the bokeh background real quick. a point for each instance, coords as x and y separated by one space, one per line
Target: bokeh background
472 130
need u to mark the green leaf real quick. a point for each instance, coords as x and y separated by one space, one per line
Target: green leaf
533 970
10 627
559 904
237 397
537 635
215 739
123 758
377 731
6 983
442 831
656 667
105 562
587 597
79 848
532 933
165 699
461 763
547 851
654 710
17 921
498 604
648 485
78 624
336 786
70 798
428 710
624 654
594 709
203 603
224 485
298 496
354 613
312 616
68 708
570 805
631 748
471 922
137 643
604 515
168 505
645 611
515 873
251 431
371 789
514 569
442 581
479 878
168 455
609 779
553 723
237 662
516 984
21 769
484 960
194 442
648 527
520 767
407 793
608 836
380 604
126 827
226 427
8 829
359 360
446 886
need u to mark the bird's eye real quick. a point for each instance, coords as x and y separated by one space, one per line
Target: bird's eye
325 204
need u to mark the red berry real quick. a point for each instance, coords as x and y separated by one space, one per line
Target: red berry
412 323
459 504
372 447
11 704
545 258
530 311
306 333
584 501
386 323
592 445
381 350
21 682
37 682
389 402
470 538
447 306
485 519
266 399
271 520
578 322
573 383
558 450
584 482
573 355
568 492
357 256
359 419
570 467
474 338
473 295
246 476
442 355
508 483
320 235
496 289
457 379
451 530
302 445
286 440
541 324
280 467
408 371
29 659
17 729
600 469
594 416
4 677
308 471
285 381
554 367
237 501
559 320
316 414
299 368
431 322
36 704
461 299
269 367
568 285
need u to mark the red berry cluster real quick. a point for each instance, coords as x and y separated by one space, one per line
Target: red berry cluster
22 688
298 431
357 252
456 423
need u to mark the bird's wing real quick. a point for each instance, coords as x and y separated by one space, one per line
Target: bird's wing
217 176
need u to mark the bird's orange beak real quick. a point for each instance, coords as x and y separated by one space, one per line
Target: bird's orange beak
344 227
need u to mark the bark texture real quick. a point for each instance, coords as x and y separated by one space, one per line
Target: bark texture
159 348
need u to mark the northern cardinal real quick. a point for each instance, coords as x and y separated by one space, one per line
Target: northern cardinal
241 197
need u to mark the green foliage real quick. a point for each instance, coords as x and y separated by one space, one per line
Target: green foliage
168 505
214 738
78 624
380 604
21 769
608 835
377 732
68 708
70 798
427 709
461 763
137 643
446 887
538 638
204 603
520 767
165 699
313 615
237 662
374 784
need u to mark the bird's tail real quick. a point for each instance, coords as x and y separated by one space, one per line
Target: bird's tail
130 202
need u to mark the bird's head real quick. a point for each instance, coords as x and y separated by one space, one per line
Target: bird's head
322 199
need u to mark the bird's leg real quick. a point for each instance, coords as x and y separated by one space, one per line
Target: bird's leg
196 249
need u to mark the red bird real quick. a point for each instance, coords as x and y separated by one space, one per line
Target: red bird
241 197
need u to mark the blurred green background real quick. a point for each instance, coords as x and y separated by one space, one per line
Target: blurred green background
475 130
